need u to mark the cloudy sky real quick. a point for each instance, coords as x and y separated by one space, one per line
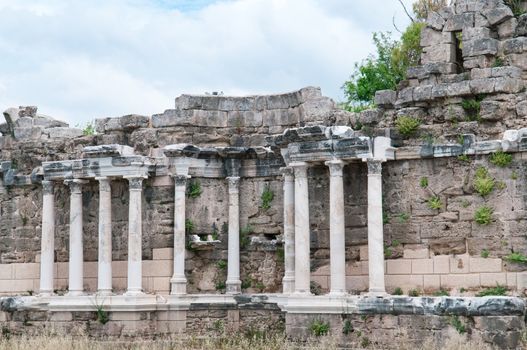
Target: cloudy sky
78 60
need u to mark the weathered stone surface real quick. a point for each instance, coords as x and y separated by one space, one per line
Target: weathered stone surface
521 28
64 132
476 47
497 15
435 21
459 21
385 98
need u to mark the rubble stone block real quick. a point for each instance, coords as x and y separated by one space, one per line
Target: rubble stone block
435 21
459 21
498 15
476 47
385 98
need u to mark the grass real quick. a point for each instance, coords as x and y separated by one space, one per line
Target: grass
457 324
434 203
189 226
407 126
413 293
403 217
423 182
222 264
483 183
442 293
472 107
463 158
485 253
245 240
397 291
494 291
483 215
500 159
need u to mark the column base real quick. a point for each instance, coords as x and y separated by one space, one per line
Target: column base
288 285
338 293
234 287
74 293
178 286
133 292
104 292
302 293
377 293
45 293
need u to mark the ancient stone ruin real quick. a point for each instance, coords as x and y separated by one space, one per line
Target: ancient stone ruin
278 211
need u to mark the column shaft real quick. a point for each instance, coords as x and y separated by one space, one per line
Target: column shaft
375 229
135 270
179 281
302 229
337 245
47 253
233 264
104 279
76 261
288 282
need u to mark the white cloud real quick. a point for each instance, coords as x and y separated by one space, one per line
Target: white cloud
82 59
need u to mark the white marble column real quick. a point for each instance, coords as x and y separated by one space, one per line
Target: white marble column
47 252
302 230
104 277
76 261
337 246
288 282
179 281
375 229
135 222
233 263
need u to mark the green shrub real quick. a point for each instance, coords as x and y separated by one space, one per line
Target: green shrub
495 291
514 175
485 253
498 62
516 257
516 7
247 283
407 126
457 324
194 189
102 315
423 182
434 203
89 129
267 197
319 327
220 285
397 291
483 183
483 215
500 159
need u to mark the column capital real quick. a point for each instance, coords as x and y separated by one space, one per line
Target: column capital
233 181
374 166
180 180
300 169
287 173
335 167
47 187
135 182
104 183
75 185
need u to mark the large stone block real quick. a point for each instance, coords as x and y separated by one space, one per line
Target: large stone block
439 53
521 28
515 45
476 47
385 98
459 21
497 15
435 21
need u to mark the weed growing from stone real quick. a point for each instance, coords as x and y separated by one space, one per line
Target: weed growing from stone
514 175
347 328
247 283
472 107
485 253
413 293
194 189
222 264
434 203
500 159
465 203
89 129
498 62
423 182
220 285
244 236
442 293
457 324
463 158
407 126
403 217
365 342
516 257
280 254
483 215
319 328
494 291
267 197
483 183
189 226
